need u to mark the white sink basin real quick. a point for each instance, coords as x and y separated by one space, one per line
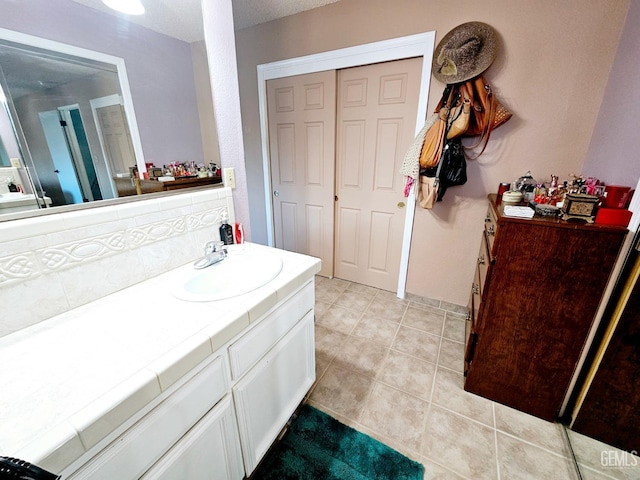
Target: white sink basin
241 272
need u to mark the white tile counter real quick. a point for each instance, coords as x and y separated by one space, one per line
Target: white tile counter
70 381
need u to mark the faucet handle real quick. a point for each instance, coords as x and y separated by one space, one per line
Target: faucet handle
212 247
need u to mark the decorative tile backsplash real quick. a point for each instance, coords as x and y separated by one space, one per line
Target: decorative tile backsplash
61 261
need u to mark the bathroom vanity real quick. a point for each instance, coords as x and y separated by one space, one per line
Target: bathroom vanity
163 388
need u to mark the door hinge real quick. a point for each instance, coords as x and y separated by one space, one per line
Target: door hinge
63 123
335 197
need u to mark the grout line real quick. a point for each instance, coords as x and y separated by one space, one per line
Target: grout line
573 455
495 439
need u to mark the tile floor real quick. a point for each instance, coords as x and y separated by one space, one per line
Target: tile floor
392 369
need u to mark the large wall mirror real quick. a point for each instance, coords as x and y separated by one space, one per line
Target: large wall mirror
96 107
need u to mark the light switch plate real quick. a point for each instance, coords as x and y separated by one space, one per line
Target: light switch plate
229 176
15 163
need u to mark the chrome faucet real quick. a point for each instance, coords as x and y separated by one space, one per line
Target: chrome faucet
214 252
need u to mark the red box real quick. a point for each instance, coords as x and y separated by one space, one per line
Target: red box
613 216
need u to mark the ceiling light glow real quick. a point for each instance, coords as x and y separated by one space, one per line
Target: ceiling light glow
130 7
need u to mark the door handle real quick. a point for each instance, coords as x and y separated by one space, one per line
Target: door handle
56 171
276 193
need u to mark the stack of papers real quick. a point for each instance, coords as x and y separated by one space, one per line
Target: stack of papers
518 211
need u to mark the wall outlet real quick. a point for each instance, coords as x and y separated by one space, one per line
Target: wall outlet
15 163
229 175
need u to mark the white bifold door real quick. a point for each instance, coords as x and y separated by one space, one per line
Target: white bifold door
337 140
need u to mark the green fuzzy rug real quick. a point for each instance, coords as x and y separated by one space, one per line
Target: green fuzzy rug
319 447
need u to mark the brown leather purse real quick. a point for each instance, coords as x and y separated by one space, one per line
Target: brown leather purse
459 116
487 112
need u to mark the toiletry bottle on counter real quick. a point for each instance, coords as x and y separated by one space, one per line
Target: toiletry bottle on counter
226 231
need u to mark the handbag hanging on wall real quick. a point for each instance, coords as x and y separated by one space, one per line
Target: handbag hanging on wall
434 138
487 113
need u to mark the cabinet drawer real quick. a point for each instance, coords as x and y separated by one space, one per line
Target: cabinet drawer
145 442
491 229
485 260
246 351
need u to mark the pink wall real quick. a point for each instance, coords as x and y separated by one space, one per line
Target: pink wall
551 71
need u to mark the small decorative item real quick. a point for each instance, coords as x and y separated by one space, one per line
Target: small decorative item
579 206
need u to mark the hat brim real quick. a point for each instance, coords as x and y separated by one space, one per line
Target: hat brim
484 59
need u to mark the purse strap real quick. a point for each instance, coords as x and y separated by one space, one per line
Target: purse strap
484 137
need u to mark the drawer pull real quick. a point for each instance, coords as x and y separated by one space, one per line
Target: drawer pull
487 218
475 289
491 230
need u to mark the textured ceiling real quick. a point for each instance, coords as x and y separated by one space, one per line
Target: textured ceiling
183 18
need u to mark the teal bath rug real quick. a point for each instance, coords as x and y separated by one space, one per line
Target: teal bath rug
318 447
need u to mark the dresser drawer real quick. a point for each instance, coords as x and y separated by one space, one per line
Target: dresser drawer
491 229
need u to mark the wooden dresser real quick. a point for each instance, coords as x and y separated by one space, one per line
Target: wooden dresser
536 291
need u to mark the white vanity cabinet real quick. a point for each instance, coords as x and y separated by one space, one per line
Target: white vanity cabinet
269 393
218 421
131 454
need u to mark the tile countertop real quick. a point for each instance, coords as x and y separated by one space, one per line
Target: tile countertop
70 381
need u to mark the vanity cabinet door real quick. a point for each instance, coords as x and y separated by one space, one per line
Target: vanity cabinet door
209 451
267 396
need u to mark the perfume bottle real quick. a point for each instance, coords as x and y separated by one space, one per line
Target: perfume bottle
226 230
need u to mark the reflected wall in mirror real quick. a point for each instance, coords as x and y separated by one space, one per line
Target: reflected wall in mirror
118 95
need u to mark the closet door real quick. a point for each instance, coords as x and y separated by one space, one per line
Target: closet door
301 116
377 110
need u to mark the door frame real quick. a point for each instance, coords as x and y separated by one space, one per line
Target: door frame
418 45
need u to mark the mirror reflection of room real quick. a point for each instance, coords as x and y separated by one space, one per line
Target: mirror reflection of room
87 130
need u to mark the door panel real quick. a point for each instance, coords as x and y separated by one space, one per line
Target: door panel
116 138
301 115
377 109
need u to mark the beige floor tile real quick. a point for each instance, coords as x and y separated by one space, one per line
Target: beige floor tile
590 474
518 460
396 415
426 319
452 307
417 299
353 300
451 355
454 327
385 308
322 363
361 356
327 290
408 374
595 456
365 289
342 391
339 318
320 308
460 444
376 330
417 343
328 341
531 429
433 471
391 296
449 393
